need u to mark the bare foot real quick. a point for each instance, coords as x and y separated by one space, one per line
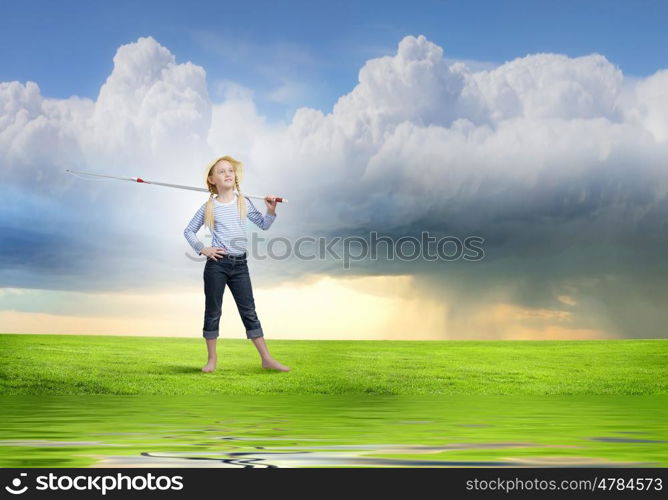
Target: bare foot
210 366
272 364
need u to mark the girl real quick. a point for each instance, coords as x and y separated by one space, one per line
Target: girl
226 262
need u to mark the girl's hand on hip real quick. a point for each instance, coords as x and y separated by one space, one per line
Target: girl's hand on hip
213 252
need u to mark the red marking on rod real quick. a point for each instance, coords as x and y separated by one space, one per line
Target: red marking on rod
139 179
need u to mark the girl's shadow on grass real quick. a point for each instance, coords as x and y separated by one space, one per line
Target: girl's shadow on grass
197 369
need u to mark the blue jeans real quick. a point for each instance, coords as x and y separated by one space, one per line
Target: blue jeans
233 272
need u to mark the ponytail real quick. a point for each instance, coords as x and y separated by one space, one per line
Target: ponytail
241 201
208 213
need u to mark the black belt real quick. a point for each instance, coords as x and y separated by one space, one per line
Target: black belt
234 257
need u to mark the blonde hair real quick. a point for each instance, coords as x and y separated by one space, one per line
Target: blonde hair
238 175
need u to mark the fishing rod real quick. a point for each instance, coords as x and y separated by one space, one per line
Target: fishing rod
143 181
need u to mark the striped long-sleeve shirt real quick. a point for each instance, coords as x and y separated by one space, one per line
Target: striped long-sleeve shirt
229 232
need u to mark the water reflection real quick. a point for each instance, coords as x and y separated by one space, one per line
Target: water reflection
331 431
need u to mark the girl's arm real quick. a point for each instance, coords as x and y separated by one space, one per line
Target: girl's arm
263 222
193 226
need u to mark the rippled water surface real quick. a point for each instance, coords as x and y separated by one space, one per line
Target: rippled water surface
330 431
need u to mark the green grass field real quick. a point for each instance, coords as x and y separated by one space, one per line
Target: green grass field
76 364
105 401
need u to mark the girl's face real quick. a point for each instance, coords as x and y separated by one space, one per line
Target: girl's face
222 175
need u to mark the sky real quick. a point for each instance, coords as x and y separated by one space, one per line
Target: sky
305 53
539 128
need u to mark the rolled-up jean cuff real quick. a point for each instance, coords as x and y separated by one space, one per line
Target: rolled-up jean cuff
253 334
211 334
